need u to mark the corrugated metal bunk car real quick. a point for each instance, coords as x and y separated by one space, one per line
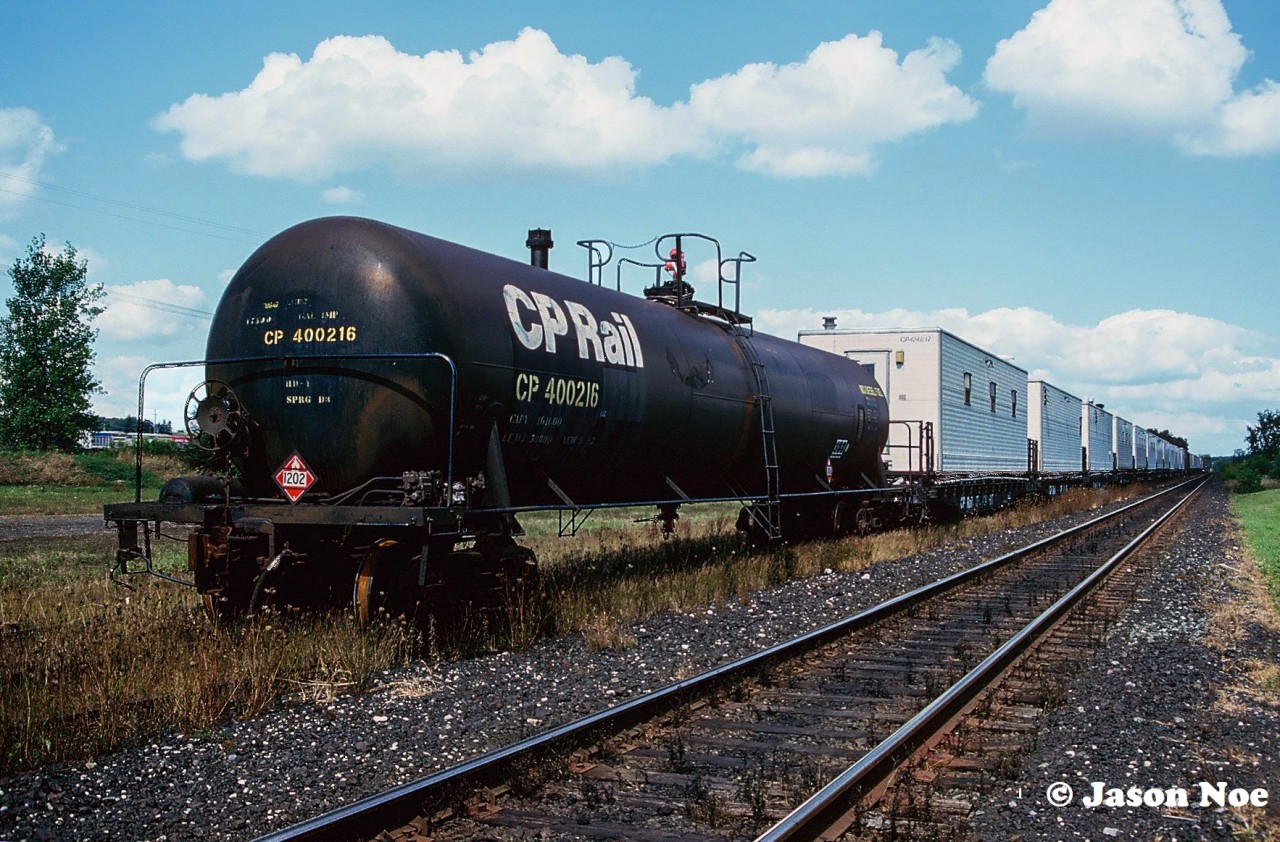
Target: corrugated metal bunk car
960 412
1122 444
1095 437
1053 426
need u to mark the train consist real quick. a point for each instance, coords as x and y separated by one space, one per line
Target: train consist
380 406
980 421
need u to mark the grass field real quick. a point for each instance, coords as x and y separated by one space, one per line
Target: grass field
78 483
66 500
93 665
1260 516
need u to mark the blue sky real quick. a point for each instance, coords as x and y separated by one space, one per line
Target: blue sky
1088 186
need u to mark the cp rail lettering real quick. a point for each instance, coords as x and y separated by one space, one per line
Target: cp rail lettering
338 333
558 391
597 339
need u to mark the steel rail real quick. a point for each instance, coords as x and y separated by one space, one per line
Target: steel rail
822 809
396 807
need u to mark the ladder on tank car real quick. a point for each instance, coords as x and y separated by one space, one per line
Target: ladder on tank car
771 519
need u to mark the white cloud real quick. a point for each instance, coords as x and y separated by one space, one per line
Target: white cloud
1162 67
358 102
342 196
522 104
26 141
150 310
1193 375
166 389
826 114
95 260
1248 124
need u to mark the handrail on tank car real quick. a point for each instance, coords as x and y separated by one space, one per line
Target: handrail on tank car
595 262
600 254
684 294
735 281
656 267
425 355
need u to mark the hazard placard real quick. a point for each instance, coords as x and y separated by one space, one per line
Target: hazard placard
294 477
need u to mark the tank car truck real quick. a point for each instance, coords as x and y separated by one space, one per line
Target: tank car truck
380 406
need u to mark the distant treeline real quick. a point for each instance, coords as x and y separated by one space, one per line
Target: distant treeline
1176 441
129 424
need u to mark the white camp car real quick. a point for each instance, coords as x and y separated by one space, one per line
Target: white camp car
976 401
1053 423
1095 436
1122 443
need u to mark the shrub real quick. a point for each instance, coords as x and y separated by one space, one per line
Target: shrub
91 469
106 467
1247 482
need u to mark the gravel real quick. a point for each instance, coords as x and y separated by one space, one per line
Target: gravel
1164 705
255 776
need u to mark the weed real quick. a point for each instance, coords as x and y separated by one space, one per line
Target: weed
92 667
603 633
676 752
753 790
702 804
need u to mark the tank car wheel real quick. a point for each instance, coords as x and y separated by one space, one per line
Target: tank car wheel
383 587
853 518
497 585
842 518
865 522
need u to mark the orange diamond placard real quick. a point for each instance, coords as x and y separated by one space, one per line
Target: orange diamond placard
294 477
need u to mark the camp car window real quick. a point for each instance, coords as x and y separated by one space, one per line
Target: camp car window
993 396
968 388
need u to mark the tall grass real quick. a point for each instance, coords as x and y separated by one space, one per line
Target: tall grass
90 666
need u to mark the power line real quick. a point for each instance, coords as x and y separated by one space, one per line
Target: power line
131 218
162 306
86 195
194 220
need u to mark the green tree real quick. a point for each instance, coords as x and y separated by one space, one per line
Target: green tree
1264 439
46 351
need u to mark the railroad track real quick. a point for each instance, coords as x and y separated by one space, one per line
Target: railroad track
824 721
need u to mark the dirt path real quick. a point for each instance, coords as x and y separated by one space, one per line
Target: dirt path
17 527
